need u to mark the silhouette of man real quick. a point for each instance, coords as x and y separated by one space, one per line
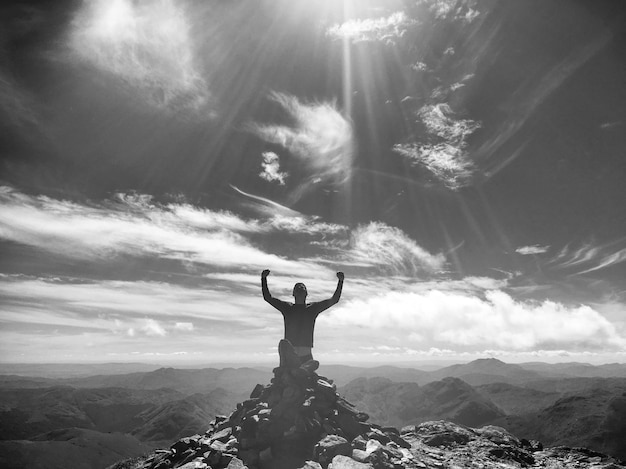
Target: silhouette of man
300 316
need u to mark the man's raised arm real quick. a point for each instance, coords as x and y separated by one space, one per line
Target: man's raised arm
325 304
276 303
335 298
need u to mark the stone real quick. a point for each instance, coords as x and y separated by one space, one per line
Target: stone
498 435
184 444
223 435
235 463
398 440
442 433
360 455
311 465
329 447
257 391
344 462
531 445
195 465
310 366
350 425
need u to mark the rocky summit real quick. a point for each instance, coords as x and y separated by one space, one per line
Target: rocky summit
299 421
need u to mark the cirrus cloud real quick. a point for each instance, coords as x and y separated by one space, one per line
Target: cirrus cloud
321 139
134 226
390 249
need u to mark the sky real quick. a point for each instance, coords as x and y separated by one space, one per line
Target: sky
462 162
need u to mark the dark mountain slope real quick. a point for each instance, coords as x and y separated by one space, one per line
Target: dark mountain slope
400 404
28 412
70 448
515 400
182 417
595 419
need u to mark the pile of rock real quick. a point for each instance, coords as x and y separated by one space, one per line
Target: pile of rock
298 420
442 444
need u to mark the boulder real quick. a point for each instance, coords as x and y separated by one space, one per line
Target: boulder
344 462
329 447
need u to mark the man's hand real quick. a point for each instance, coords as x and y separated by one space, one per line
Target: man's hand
340 276
265 273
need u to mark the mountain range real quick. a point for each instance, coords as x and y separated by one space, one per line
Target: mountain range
145 410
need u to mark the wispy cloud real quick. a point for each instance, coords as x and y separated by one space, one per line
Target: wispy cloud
146 44
136 227
271 168
589 257
321 139
532 250
386 28
391 250
456 320
443 149
453 10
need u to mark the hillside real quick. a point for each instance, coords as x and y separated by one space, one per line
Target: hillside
162 414
516 400
594 419
400 404
71 447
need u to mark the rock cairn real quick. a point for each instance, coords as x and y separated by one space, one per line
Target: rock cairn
297 421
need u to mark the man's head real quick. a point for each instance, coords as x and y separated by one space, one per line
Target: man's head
299 292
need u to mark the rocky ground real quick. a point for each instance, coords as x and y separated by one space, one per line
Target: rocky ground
299 421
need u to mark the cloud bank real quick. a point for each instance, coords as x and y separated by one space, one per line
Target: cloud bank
461 321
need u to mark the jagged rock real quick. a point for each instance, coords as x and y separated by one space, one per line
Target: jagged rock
442 433
195 465
329 447
311 465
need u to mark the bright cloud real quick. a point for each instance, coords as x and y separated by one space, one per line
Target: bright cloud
372 29
138 228
532 250
271 168
391 250
444 151
458 320
184 326
152 327
321 139
146 44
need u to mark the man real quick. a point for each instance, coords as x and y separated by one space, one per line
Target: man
300 316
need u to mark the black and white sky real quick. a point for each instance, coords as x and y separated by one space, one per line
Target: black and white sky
462 161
